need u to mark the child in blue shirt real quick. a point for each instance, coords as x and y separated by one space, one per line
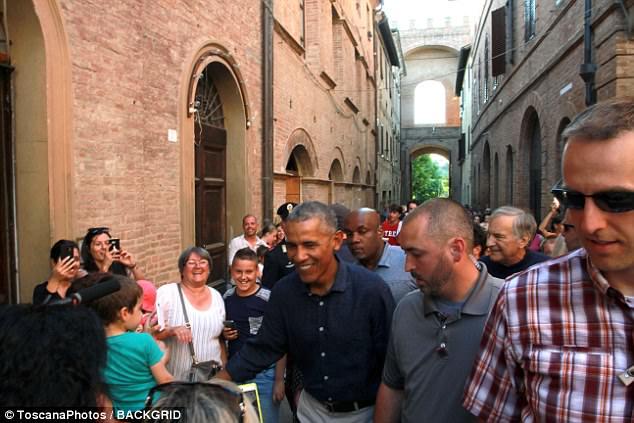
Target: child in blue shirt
135 363
244 305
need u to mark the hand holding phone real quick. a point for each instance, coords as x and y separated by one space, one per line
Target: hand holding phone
230 331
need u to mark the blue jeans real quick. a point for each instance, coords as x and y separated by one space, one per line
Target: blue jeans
265 381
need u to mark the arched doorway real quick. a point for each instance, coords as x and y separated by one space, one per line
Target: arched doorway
298 165
35 134
210 144
496 182
560 147
535 167
214 127
509 175
335 175
430 175
486 176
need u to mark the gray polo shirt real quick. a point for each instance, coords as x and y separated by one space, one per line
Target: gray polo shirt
391 268
433 377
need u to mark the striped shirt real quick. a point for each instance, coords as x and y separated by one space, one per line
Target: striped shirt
206 326
553 348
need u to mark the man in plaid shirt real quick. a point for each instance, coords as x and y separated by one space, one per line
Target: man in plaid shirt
559 344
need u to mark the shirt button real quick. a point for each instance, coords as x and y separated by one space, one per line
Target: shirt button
321 303
323 354
321 328
325 377
444 326
329 398
443 345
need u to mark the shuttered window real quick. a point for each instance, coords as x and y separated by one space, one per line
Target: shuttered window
529 19
498 41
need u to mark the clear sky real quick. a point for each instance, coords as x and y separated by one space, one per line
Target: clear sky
402 12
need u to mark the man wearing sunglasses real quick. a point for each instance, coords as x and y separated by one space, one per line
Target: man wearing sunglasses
559 344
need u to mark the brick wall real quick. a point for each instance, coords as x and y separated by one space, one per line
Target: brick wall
304 99
128 61
545 79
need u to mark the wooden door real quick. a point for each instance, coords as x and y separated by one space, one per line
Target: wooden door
7 221
210 184
293 189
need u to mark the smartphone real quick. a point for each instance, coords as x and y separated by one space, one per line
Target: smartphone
250 391
231 324
67 251
115 244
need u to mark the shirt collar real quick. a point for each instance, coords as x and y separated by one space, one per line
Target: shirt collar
600 282
479 299
384 260
341 279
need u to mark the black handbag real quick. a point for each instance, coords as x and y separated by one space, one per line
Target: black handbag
200 371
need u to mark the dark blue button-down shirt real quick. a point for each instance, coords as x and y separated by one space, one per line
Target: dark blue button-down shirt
338 341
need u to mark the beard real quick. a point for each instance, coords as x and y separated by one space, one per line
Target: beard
439 277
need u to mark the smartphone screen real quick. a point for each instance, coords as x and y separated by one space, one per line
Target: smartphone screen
115 244
230 324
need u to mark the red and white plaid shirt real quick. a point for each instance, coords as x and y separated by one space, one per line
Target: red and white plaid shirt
553 348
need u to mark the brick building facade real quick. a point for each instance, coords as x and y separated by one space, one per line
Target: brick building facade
324 102
151 118
431 48
525 65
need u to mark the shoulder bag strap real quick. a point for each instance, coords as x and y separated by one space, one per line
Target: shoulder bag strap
187 324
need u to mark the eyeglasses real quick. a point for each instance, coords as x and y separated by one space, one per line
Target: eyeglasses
194 263
97 231
608 201
185 388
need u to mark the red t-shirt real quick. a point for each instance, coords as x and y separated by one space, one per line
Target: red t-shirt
390 231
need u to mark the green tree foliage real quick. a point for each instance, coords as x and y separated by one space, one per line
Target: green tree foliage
429 180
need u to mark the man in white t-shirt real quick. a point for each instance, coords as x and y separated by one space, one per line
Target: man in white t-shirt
248 239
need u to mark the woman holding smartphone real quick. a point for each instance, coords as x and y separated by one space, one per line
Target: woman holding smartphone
102 253
65 268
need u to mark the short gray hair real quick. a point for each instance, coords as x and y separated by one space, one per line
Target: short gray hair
523 223
211 401
313 209
182 259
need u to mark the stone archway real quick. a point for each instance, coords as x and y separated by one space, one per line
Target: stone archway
423 150
41 142
212 62
531 152
443 141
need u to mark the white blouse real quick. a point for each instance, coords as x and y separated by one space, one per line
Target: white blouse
206 326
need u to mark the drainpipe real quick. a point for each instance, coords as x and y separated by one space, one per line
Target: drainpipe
375 46
267 108
588 69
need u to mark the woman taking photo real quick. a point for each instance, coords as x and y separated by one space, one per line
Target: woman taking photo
98 255
65 268
205 312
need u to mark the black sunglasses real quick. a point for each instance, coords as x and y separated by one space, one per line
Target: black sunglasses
165 388
99 230
608 201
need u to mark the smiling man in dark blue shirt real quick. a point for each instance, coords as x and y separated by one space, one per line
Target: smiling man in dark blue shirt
332 317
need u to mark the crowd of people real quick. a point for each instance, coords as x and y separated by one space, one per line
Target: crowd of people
432 313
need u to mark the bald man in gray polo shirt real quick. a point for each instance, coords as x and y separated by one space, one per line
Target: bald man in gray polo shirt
436 331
